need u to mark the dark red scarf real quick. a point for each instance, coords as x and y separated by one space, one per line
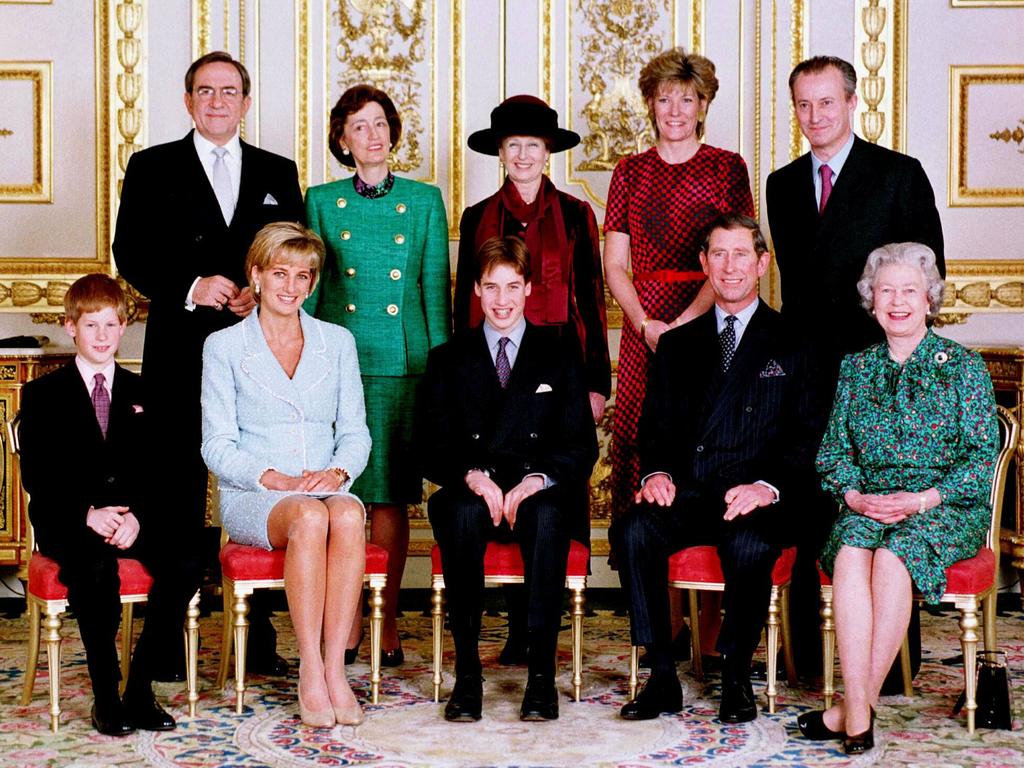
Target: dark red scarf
550 260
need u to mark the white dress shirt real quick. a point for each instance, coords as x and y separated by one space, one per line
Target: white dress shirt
836 163
88 373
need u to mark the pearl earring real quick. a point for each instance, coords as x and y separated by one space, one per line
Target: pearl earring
256 289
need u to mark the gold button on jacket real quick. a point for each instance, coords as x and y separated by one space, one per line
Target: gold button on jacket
345 234
342 202
400 208
350 307
396 274
392 309
351 271
399 239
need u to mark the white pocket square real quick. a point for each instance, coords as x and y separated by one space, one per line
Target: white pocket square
269 200
543 388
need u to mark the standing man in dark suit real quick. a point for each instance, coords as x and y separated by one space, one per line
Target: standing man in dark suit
95 503
189 211
729 431
828 210
505 427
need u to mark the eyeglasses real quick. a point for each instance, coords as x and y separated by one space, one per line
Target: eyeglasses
205 93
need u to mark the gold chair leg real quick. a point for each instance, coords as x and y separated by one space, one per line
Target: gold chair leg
908 678
376 632
241 625
787 638
32 659
988 609
52 624
969 643
437 624
192 653
828 645
127 629
227 637
772 647
578 601
634 669
696 664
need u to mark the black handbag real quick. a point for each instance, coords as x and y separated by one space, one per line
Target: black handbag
993 693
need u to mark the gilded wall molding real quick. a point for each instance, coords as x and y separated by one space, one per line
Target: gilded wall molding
984 286
200 21
303 34
799 28
37 187
697 26
456 178
880 39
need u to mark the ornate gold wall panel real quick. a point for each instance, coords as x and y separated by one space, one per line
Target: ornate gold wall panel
880 48
31 130
799 32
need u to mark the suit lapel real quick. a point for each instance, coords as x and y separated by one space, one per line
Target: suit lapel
749 357
519 385
847 192
80 407
250 192
197 187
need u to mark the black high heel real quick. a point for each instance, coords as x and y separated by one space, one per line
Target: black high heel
392 658
351 654
812 726
857 743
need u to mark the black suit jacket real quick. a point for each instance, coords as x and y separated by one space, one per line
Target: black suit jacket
880 197
711 431
170 231
541 423
58 422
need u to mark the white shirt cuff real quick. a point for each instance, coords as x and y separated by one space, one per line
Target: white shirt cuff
548 482
770 487
190 305
648 477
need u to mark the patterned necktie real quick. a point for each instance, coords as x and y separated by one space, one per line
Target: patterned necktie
727 340
101 402
222 185
502 364
826 187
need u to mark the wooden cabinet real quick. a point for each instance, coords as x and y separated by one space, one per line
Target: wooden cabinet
18 366
1006 366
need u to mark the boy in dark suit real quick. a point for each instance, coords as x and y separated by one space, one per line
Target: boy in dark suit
730 427
84 465
505 428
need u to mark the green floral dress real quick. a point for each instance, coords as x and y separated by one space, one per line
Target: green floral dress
930 422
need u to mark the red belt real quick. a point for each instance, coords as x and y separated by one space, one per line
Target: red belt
669 276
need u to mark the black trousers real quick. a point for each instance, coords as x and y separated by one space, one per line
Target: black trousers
645 537
89 571
463 527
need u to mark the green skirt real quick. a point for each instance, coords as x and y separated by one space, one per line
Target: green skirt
393 474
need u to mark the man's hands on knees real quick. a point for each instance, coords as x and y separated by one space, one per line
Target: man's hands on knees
117 525
744 499
529 486
659 489
479 483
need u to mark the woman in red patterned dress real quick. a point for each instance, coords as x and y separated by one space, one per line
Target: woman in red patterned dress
659 205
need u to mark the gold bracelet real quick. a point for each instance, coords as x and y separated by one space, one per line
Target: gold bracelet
341 473
643 328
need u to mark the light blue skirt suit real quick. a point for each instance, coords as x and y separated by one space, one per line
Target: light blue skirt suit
255 418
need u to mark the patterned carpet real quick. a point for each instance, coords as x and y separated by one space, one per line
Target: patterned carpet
407 729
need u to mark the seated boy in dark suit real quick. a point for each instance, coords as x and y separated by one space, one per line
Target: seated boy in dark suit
83 462
505 428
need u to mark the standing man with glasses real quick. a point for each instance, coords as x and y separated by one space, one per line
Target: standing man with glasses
189 211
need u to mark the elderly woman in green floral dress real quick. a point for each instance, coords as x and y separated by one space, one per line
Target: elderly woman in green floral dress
908 454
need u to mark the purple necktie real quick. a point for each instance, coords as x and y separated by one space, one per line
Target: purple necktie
502 364
101 402
826 187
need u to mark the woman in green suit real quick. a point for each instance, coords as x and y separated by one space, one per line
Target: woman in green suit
387 279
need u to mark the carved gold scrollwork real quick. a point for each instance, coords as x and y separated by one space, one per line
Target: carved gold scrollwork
872 87
129 83
1016 136
5 132
394 33
611 57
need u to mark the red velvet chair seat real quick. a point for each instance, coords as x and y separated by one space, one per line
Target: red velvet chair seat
505 559
701 564
972 576
241 563
44 584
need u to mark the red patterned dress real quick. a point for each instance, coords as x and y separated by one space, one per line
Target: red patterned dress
665 209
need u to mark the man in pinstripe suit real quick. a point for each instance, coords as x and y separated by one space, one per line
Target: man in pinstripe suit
730 428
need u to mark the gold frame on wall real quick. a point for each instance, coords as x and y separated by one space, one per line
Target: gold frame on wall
38 189
986 3
961 77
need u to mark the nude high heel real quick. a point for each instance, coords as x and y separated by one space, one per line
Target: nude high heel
313 718
351 715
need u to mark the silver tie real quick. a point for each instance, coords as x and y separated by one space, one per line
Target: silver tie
222 185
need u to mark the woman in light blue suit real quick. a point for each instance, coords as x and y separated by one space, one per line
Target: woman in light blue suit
284 431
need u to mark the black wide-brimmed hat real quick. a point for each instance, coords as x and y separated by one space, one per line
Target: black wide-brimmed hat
522 116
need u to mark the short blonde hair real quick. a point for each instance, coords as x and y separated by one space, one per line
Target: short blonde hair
676 66
289 243
907 255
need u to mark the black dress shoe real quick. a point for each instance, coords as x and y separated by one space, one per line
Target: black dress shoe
540 701
681 648
271 665
661 694
146 714
169 674
392 658
109 719
737 704
812 726
857 743
515 653
466 702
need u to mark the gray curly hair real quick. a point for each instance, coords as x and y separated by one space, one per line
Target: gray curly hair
905 254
